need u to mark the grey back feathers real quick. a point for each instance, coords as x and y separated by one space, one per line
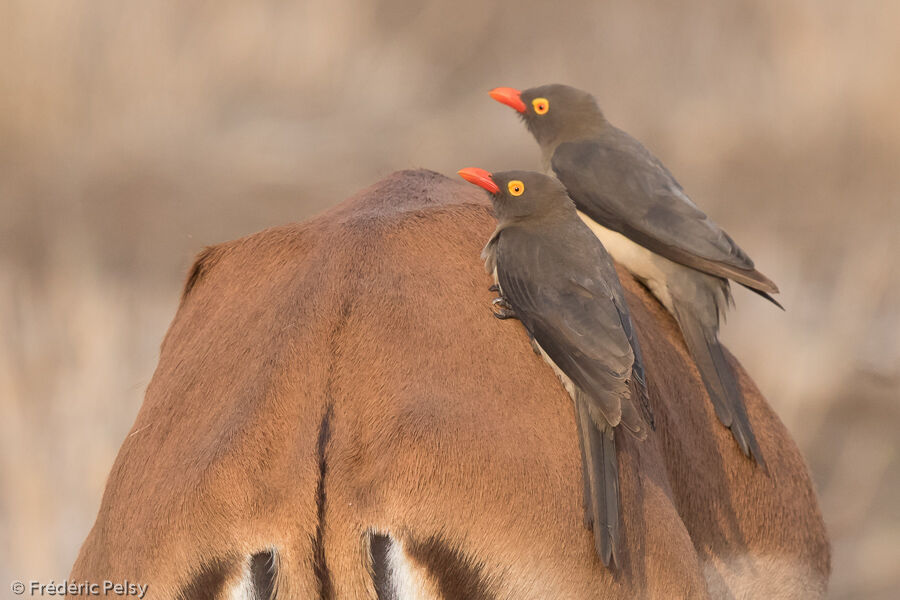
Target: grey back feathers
618 184
621 185
563 287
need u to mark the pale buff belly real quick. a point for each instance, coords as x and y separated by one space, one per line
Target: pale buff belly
647 266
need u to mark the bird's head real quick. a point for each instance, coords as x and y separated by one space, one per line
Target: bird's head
520 194
554 113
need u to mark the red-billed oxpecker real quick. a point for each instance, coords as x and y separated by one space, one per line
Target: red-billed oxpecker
556 278
645 220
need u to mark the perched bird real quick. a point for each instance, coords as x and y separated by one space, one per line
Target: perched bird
556 278
646 221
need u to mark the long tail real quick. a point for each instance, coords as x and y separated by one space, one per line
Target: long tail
600 473
719 379
764 295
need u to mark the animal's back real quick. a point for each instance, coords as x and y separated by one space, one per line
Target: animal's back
335 397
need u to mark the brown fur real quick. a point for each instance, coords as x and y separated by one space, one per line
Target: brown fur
344 377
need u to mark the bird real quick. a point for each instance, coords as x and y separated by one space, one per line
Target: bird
647 222
555 277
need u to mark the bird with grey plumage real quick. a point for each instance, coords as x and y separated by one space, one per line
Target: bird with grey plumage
555 277
645 220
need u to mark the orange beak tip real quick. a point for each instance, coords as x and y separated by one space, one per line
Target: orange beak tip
479 177
508 96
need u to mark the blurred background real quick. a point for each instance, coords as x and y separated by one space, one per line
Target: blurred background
134 134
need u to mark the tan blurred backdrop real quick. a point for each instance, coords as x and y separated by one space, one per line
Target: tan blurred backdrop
133 134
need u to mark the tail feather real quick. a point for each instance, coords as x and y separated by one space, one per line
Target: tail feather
585 466
719 380
641 395
764 295
632 421
600 470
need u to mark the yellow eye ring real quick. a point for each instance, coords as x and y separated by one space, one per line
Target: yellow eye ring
540 105
515 187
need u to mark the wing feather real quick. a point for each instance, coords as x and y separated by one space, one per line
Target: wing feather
571 313
618 183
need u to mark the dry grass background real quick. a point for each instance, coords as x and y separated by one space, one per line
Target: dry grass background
133 134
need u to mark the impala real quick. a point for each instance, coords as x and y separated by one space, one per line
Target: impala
337 414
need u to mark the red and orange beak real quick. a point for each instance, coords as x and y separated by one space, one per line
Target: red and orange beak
508 96
479 177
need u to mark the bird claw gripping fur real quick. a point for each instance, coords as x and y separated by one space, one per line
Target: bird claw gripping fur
502 309
503 313
501 302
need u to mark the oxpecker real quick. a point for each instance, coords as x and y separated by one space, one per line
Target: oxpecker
555 277
646 221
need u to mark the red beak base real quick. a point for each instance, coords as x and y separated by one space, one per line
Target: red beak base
479 177
508 96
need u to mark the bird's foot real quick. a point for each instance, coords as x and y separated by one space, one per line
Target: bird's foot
502 309
494 288
501 302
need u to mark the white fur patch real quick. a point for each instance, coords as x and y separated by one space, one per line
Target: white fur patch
408 580
244 589
768 577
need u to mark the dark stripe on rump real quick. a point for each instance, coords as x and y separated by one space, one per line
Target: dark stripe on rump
262 573
208 583
457 576
320 566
